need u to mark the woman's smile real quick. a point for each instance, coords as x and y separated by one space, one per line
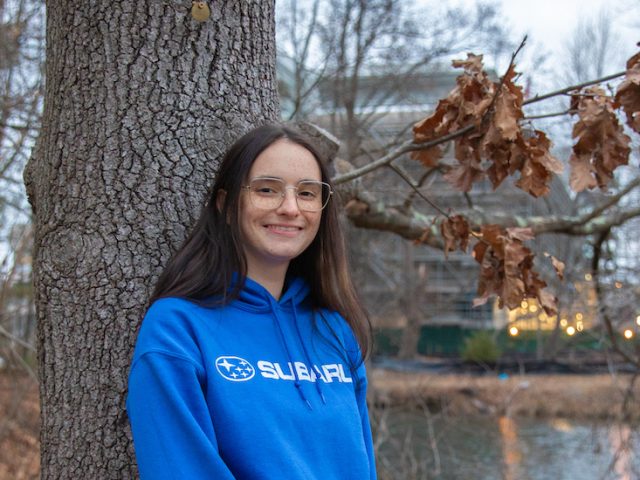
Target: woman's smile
287 230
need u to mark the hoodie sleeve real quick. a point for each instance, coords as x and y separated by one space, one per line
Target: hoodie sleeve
361 398
172 430
355 357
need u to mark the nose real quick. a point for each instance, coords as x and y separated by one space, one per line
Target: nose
289 204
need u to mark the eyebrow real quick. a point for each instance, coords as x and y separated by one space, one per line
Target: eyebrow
270 177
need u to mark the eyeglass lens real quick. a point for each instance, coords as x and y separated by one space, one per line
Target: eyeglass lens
269 193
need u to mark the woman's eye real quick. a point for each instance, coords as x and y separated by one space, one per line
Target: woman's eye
267 191
306 194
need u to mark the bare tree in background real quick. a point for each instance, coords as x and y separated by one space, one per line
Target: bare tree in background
21 91
336 45
592 48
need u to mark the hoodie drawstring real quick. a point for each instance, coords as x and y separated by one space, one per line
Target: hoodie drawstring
306 354
298 385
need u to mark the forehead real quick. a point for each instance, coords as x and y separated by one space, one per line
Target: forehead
287 160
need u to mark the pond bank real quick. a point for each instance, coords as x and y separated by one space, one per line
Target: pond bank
599 396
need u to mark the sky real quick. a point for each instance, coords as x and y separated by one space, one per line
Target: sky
550 20
550 23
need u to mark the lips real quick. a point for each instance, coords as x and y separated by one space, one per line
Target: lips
284 230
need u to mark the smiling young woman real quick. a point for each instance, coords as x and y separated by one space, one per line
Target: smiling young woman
250 361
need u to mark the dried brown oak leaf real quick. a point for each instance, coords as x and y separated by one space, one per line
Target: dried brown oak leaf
628 94
506 269
502 131
538 166
601 145
468 169
455 231
557 265
508 107
428 156
465 105
510 150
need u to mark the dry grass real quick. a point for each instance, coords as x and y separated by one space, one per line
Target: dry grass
569 396
19 427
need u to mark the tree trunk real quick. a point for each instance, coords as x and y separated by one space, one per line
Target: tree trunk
141 100
412 300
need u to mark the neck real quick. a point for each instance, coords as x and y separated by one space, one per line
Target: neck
271 278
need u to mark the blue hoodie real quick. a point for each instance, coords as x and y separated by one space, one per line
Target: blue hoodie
257 389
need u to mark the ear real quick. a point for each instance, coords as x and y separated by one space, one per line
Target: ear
220 198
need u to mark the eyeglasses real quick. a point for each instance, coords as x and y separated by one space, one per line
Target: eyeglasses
268 193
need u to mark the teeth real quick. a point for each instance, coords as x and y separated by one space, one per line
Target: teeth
286 229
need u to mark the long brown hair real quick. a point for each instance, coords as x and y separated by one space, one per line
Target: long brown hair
204 265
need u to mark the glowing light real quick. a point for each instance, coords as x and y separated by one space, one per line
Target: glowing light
563 322
513 331
618 284
561 425
524 304
533 308
638 320
579 316
628 334
580 326
588 277
571 331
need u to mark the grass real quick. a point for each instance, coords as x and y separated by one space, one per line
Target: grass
566 396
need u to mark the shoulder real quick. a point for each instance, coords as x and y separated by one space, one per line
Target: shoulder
173 312
340 329
172 326
169 315
171 304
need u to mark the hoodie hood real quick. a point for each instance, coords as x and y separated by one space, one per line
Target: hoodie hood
255 298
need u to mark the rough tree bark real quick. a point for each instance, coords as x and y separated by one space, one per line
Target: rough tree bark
140 101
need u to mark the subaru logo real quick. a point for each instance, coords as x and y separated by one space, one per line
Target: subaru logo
235 369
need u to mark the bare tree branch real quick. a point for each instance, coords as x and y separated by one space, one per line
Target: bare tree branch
547 115
613 200
414 186
412 226
406 147
539 98
17 340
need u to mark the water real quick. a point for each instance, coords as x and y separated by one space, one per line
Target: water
413 445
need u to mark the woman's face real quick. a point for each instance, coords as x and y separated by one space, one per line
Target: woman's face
273 237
